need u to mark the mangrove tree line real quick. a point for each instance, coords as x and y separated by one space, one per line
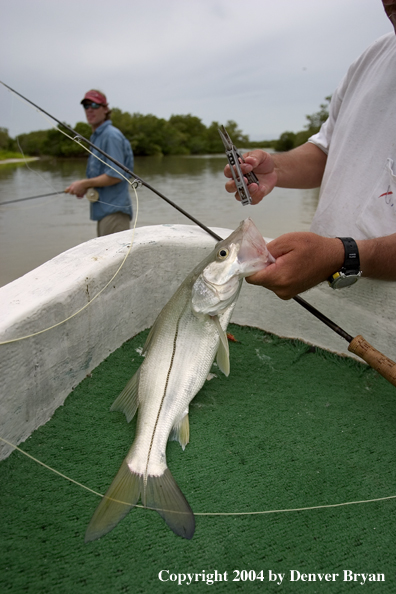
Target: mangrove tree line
150 135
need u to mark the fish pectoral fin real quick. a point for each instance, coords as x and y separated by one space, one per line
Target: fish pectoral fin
121 496
181 431
128 401
149 338
223 352
164 496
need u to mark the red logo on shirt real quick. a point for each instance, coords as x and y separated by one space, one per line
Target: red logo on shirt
388 196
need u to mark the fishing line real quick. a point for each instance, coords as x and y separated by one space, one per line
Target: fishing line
89 302
37 173
134 185
26 161
120 165
50 119
95 296
252 513
302 302
297 298
54 193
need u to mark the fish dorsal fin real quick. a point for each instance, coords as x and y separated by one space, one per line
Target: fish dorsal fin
181 431
128 401
223 353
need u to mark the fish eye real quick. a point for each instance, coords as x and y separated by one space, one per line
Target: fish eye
222 254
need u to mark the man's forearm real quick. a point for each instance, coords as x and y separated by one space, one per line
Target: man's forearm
79 187
302 167
102 181
378 257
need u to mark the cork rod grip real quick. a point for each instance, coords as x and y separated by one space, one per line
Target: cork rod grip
386 367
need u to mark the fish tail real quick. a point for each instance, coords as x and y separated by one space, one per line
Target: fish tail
121 496
160 493
163 495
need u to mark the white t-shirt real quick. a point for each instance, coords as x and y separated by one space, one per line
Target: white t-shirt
358 191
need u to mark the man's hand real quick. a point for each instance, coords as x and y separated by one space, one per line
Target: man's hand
302 167
78 188
264 168
303 260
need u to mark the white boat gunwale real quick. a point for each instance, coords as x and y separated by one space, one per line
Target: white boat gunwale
39 372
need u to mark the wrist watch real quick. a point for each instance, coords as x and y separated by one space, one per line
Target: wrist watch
350 271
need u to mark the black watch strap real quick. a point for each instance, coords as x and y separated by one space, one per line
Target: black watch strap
351 260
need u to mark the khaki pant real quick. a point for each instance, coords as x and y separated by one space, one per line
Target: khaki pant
113 223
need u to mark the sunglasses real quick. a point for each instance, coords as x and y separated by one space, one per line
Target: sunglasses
92 104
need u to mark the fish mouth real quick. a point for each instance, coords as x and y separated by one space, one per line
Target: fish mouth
253 254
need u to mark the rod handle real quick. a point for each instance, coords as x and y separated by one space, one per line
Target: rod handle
385 366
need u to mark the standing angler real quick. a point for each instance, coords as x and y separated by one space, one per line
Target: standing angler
180 350
111 206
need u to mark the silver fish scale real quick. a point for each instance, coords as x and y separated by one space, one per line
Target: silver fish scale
180 350
176 367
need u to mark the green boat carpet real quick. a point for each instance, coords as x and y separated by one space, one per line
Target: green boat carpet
291 427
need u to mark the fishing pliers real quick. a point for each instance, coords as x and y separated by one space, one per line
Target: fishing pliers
235 159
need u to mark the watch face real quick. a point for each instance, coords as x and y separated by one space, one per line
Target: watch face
345 281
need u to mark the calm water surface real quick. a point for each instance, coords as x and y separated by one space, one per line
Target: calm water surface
32 232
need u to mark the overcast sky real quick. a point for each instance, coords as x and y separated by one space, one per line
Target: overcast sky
264 63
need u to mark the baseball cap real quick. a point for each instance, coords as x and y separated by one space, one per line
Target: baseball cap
95 96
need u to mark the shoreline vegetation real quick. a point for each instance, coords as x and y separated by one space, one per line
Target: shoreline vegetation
149 135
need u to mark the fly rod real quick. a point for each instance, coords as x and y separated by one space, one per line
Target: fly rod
31 198
120 165
44 196
358 345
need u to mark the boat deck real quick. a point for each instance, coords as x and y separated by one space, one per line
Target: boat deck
293 426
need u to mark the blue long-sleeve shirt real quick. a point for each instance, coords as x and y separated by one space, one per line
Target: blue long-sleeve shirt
114 198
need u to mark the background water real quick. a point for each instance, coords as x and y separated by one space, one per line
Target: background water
34 231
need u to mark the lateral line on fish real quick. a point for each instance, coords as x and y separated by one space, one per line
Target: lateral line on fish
145 477
252 513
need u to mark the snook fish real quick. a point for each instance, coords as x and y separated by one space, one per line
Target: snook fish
179 352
